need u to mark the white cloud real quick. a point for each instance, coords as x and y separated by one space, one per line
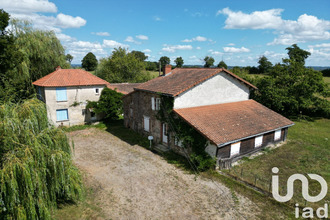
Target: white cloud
113 44
235 50
157 18
105 34
173 48
198 48
142 37
231 44
215 53
67 21
130 39
64 38
198 38
146 51
28 6
305 28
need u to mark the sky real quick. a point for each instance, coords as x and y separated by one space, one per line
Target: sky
237 32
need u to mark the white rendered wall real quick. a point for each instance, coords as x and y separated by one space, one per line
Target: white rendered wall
74 94
220 88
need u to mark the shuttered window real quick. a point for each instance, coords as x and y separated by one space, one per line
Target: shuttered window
153 103
234 149
157 104
277 135
258 141
61 94
146 123
62 115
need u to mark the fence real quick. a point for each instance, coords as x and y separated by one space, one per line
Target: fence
264 184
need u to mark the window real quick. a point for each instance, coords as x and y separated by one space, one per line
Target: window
93 115
178 142
146 123
234 148
258 141
83 111
157 107
97 91
61 94
277 135
153 103
62 115
131 112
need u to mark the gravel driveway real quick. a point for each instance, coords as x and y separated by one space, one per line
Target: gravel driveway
131 182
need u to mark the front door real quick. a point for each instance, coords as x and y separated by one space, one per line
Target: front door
164 133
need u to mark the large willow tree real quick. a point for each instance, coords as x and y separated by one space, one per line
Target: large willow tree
39 52
36 170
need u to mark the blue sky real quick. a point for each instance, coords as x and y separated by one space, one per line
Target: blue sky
239 32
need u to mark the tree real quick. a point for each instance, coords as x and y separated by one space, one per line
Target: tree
122 66
89 62
222 64
110 104
209 61
151 66
164 60
296 55
36 169
179 62
69 58
264 65
292 89
139 55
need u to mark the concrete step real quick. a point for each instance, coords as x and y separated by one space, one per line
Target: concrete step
161 148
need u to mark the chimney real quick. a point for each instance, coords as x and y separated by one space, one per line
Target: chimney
167 69
58 68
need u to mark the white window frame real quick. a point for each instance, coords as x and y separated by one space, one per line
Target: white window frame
277 135
258 141
146 123
157 106
153 103
97 91
235 149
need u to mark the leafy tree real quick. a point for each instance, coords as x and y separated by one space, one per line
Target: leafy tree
326 72
253 70
291 88
296 55
209 61
110 104
139 55
151 66
222 64
36 169
164 60
69 58
264 65
179 62
89 62
122 66
10 58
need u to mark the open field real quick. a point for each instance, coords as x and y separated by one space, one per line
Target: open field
127 181
306 151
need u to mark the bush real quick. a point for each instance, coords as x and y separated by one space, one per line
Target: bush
110 104
203 161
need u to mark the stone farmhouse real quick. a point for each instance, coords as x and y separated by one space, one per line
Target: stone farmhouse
66 91
215 102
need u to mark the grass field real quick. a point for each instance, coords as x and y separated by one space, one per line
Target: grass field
307 151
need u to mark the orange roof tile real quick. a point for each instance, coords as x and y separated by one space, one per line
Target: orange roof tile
182 79
124 88
69 77
226 123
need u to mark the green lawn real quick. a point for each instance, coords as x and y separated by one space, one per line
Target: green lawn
307 151
326 79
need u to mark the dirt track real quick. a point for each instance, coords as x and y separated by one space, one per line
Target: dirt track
131 182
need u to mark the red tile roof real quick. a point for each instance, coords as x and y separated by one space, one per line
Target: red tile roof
226 123
124 88
182 79
69 77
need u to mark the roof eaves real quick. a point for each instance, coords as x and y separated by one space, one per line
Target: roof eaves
243 138
239 78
